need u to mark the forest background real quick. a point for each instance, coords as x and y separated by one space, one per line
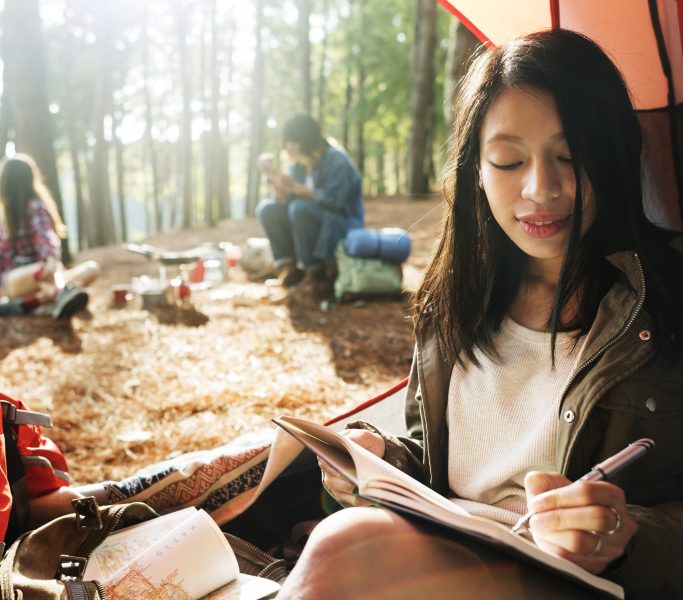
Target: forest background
147 116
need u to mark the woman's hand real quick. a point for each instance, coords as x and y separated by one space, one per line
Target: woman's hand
586 522
337 486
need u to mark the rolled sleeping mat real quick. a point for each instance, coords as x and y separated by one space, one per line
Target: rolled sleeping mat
389 244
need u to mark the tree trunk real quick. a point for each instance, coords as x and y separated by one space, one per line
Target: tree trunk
149 123
398 170
225 211
348 95
204 192
360 122
185 138
27 101
421 96
379 165
305 54
256 141
100 186
322 80
120 175
74 142
461 44
213 200
5 112
348 99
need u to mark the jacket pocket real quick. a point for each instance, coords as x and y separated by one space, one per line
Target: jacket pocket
648 404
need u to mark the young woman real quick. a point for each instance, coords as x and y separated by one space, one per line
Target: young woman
314 206
31 230
548 337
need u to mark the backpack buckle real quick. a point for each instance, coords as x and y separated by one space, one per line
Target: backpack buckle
17 416
70 568
87 513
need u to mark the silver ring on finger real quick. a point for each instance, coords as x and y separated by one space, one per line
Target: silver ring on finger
598 543
617 525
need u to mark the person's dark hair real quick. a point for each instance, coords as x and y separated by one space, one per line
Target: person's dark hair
476 271
305 131
21 181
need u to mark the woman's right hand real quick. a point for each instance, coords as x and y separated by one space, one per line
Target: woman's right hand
337 486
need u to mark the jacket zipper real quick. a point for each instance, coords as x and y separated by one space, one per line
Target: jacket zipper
616 338
608 344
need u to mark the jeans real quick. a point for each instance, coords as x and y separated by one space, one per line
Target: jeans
293 229
12 307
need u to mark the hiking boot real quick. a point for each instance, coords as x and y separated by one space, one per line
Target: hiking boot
291 276
314 275
69 301
315 285
331 271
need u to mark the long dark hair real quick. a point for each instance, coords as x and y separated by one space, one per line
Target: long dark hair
476 271
21 181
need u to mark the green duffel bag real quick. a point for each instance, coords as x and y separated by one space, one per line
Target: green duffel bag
364 277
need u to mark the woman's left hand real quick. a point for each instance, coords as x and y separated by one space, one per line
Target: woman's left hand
586 522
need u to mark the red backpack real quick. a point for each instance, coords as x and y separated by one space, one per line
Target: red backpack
30 465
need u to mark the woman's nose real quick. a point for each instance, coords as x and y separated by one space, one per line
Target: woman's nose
542 182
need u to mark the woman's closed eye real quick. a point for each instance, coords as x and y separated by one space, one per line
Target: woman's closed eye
505 166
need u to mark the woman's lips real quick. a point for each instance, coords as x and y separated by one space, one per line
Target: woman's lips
543 226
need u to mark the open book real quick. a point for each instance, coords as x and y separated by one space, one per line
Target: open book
382 484
179 555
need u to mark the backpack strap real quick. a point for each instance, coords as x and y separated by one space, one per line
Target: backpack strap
82 590
16 416
70 573
16 477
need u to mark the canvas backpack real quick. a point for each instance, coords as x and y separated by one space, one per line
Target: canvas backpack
48 562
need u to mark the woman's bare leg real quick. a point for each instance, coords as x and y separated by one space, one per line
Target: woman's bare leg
81 275
22 281
374 554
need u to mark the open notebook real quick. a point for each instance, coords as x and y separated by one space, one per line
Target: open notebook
382 484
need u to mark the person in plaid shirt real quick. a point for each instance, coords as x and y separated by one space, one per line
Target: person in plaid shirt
31 231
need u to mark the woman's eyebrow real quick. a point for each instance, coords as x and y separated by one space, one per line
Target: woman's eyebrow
516 139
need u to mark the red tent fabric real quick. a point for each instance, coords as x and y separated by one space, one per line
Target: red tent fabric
645 39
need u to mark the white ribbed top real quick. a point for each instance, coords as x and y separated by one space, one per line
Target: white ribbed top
503 420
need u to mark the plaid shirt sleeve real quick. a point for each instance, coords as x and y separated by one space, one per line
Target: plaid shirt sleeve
44 238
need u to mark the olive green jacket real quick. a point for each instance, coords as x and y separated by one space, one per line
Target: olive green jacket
622 391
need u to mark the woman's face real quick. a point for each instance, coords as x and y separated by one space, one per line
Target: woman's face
528 176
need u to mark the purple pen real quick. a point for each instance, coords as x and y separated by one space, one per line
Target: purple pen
603 471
